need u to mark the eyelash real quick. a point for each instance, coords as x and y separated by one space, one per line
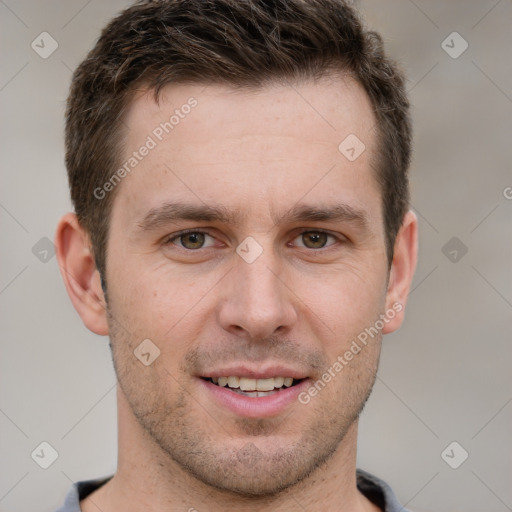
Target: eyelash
176 236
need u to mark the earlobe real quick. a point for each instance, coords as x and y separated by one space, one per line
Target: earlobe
402 271
80 275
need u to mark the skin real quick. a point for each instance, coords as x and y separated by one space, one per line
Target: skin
258 154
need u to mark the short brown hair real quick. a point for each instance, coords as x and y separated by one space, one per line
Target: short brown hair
244 43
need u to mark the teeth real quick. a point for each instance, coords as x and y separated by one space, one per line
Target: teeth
245 384
256 394
265 384
278 382
233 382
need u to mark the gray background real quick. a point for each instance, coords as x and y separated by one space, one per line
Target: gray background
444 377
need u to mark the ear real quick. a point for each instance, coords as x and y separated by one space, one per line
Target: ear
405 257
81 277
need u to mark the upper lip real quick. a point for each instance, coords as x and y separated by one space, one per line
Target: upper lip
255 373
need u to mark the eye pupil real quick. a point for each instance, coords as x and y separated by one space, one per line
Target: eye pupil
314 239
192 240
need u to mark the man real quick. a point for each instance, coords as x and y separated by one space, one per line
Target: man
242 234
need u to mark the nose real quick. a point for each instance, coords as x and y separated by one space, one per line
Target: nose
256 301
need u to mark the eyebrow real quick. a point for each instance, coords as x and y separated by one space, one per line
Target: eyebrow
336 213
173 212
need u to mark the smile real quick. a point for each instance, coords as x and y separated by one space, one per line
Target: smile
255 388
258 396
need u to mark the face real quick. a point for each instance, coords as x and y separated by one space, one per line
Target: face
248 249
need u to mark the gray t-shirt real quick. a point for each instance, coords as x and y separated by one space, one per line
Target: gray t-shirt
376 490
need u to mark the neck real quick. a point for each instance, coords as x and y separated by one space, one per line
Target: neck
148 479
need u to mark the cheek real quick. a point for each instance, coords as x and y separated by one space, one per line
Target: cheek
154 296
168 308
345 301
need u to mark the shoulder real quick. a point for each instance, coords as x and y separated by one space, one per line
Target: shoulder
378 492
79 491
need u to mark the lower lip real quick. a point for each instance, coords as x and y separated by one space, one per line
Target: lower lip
257 407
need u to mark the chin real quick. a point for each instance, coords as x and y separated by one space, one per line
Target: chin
250 479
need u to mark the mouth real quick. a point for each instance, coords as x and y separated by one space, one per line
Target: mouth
254 394
254 388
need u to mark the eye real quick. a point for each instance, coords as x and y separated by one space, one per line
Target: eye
192 240
314 239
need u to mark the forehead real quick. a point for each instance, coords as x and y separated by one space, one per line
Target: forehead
247 147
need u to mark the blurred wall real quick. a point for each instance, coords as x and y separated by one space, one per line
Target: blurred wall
444 386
